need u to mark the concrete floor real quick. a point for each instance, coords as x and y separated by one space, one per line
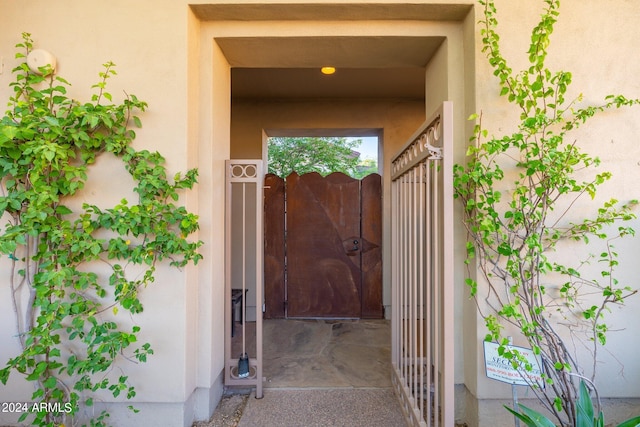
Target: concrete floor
322 372
322 408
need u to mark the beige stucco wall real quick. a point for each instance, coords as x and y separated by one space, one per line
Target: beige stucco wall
169 58
148 41
595 41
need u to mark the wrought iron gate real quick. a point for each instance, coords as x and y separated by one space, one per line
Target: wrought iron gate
244 268
422 273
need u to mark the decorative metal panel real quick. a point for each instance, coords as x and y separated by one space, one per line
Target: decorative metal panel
244 246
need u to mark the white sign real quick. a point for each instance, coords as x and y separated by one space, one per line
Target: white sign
501 369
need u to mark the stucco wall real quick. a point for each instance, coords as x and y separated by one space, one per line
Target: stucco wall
147 41
169 58
444 79
595 41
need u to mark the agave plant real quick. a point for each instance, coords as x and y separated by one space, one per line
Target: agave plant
586 416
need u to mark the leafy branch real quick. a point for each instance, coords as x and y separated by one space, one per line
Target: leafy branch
65 307
519 194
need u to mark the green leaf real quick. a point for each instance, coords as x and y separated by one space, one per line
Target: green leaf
50 382
505 249
632 422
63 210
37 372
4 375
7 133
49 154
530 417
584 408
52 121
557 403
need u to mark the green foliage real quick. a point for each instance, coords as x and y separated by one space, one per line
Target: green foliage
312 154
586 416
67 330
518 193
530 417
365 167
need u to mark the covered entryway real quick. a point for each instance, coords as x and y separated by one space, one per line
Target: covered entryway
422 269
396 62
323 246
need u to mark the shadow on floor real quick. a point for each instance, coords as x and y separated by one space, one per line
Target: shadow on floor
318 373
322 373
321 353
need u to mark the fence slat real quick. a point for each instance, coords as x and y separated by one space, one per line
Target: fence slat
274 247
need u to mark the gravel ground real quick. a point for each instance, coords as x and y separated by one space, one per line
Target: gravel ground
227 413
230 410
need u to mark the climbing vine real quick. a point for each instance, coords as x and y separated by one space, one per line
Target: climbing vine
66 307
519 193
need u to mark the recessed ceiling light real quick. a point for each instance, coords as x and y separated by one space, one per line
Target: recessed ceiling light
328 70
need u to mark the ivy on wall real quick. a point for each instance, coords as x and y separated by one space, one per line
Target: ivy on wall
519 194
66 309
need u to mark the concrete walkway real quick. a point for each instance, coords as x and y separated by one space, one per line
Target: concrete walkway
324 373
357 407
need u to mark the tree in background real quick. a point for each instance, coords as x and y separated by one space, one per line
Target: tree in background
313 154
366 167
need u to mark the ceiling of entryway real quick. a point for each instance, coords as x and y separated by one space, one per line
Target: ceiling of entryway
369 67
310 83
366 67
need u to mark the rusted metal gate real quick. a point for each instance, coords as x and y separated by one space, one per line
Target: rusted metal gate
422 273
323 255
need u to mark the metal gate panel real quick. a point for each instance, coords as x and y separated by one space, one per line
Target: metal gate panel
244 246
323 246
274 247
422 273
371 233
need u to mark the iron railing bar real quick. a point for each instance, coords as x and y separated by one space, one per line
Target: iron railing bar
446 131
421 222
414 281
437 287
260 300
394 276
244 267
429 285
405 302
227 272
